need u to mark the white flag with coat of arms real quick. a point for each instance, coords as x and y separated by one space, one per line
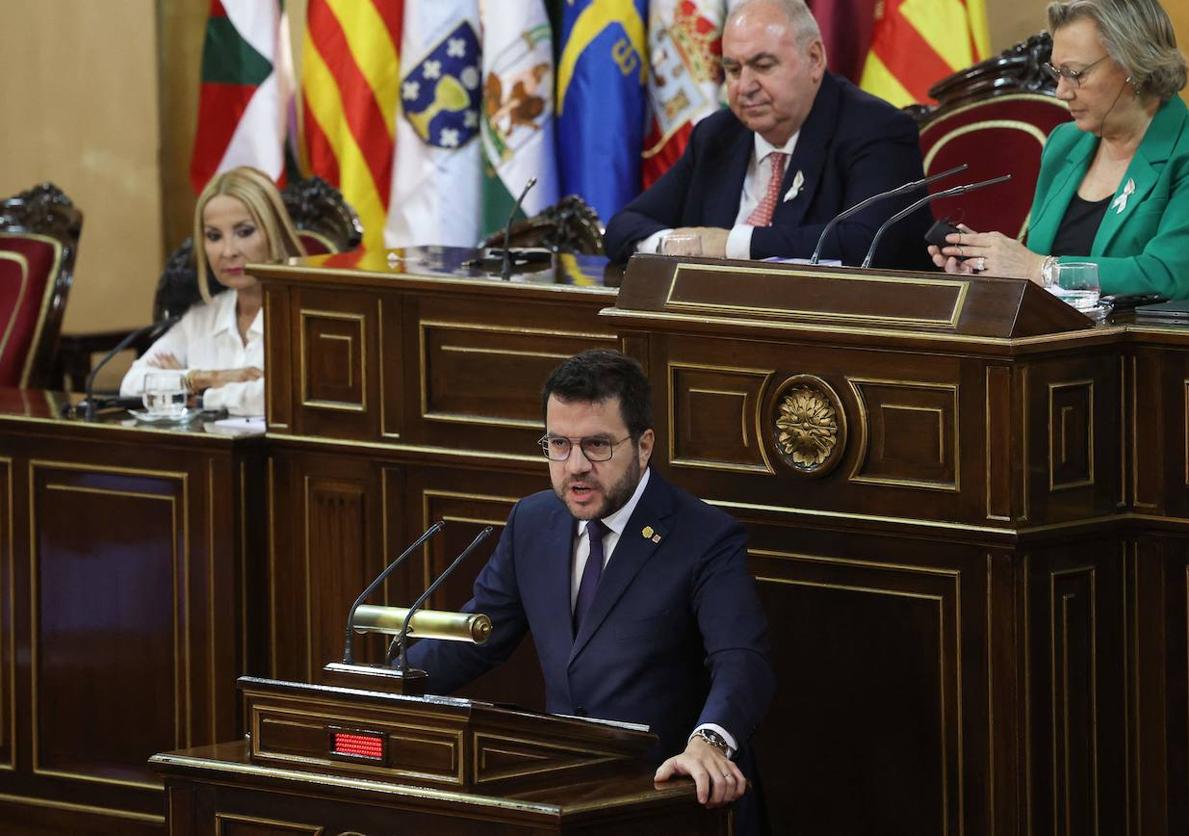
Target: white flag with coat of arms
436 181
517 118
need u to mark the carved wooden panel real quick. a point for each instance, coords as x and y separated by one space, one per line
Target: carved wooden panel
909 433
334 360
1071 434
492 374
883 634
1077 650
105 613
1000 428
7 606
714 417
278 354
1149 447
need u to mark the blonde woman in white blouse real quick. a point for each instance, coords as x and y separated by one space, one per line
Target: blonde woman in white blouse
219 344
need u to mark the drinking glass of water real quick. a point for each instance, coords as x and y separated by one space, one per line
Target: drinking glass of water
165 394
1077 284
681 243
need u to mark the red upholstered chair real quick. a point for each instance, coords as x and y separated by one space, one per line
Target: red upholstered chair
995 117
39 231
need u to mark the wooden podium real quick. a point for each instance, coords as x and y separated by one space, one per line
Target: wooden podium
321 759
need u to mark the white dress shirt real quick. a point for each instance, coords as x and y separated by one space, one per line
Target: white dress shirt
207 338
616 523
755 186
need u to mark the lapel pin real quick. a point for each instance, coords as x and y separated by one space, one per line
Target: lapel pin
656 538
647 532
1120 202
795 189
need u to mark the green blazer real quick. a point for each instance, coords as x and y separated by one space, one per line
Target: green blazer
1142 247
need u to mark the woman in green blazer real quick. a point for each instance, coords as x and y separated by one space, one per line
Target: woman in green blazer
1114 184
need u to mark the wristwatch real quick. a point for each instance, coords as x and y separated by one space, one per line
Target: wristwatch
713 738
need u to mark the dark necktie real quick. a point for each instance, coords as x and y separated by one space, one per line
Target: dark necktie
595 531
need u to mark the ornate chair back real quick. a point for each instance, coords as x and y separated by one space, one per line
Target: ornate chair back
39 232
995 117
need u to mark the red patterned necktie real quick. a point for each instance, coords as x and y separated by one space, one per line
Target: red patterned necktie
762 214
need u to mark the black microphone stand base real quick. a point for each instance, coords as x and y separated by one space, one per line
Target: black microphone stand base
376 678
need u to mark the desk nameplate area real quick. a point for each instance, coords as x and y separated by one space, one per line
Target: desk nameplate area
436 741
884 300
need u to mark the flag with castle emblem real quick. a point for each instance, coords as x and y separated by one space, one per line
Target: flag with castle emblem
437 178
241 119
517 119
601 75
685 46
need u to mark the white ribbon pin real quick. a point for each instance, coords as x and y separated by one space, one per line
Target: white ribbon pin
1120 202
795 189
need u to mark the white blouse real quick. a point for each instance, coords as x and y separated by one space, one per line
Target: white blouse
207 339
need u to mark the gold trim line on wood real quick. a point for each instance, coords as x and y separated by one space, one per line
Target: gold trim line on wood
317 441
181 689
1084 483
987 441
150 818
952 574
296 827
844 515
785 313
361 321
764 374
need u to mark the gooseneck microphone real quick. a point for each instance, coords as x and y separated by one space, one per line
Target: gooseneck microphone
912 207
875 198
153 330
403 639
506 261
348 656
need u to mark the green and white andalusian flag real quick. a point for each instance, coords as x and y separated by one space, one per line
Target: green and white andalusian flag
517 122
241 120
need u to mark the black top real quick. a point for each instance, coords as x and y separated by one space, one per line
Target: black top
1076 234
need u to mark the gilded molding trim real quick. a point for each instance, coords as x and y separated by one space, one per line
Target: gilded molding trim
987 453
384 433
273 824
856 384
424 449
272 568
809 425
764 376
477 768
431 494
361 321
962 288
1088 384
181 633
423 328
114 812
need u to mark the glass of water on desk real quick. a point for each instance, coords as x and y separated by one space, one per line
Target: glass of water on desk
1077 285
165 394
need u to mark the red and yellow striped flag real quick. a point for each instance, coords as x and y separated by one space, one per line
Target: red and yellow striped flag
350 91
917 43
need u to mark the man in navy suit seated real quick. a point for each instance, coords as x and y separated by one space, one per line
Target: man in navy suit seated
637 594
798 146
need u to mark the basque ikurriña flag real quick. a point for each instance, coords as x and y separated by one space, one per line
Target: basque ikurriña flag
241 117
601 102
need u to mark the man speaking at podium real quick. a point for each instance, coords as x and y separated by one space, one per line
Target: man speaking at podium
636 593
797 147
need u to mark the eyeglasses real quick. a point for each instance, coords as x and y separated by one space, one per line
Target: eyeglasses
1074 77
596 448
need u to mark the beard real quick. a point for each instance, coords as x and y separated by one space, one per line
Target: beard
615 496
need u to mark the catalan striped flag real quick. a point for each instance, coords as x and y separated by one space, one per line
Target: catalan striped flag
601 103
241 105
917 43
350 100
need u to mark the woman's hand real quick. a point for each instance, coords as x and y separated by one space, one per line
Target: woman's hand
200 381
987 252
164 360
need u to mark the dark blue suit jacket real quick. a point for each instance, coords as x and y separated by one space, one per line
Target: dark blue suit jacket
852 146
675 636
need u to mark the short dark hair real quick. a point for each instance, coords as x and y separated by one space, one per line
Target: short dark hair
599 375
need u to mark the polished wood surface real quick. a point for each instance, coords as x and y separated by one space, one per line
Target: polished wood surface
125 608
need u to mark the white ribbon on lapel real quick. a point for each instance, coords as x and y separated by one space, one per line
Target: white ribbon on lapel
795 189
1120 202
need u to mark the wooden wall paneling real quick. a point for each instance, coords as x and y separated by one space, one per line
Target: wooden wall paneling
1172 551
394 405
278 358
998 453
1072 436
1147 411
336 351
326 524
467 501
882 660
1077 768
8 726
